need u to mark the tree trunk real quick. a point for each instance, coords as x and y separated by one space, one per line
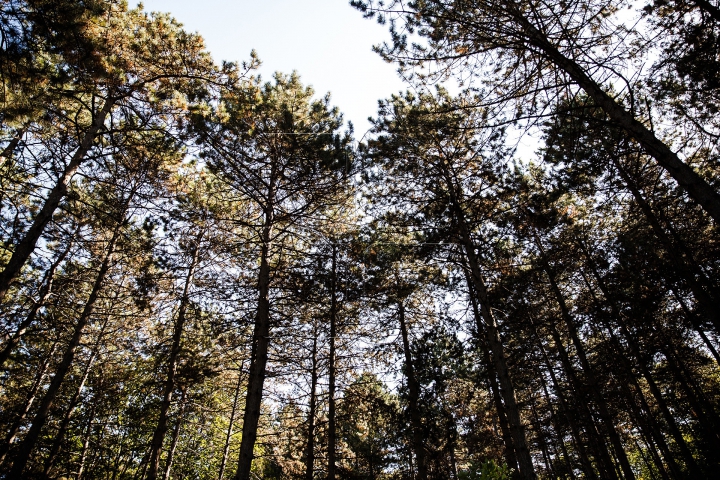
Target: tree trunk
643 413
162 425
226 450
25 247
697 325
584 460
510 457
74 401
679 254
600 450
176 434
310 448
12 145
587 369
28 444
259 355
86 444
517 429
43 295
636 351
331 367
29 401
543 444
527 470
700 407
413 398
640 419
696 187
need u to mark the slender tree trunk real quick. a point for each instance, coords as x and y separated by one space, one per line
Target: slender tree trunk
600 450
510 457
118 470
679 254
700 407
584 460
636 351
310 447
413 398
507 388
641 421
142 468
28 444
643 413
517 429
43 295
677 435
587 369
696 187
543 444
259 355
176 434
74 401
29 401
162 425
696 324
648 464
86 444
25 247
451 445
12 145
331 367
228 436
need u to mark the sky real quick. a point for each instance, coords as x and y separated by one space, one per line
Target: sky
327 42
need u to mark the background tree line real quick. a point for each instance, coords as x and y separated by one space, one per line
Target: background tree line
204 276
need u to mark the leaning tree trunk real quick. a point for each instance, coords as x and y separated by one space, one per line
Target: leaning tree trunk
26 246
597 397
643 413
542 443
517 429
701 408
74 401
510 457
43 295
559 434
636 351
86 443
162 425
28 444
29 402
9 149
679 254
527 470
176 434
228 436
696 187
696 324
599 448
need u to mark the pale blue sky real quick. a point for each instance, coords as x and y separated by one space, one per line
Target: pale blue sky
326 41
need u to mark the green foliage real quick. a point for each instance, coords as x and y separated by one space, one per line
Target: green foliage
487 470
367 424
